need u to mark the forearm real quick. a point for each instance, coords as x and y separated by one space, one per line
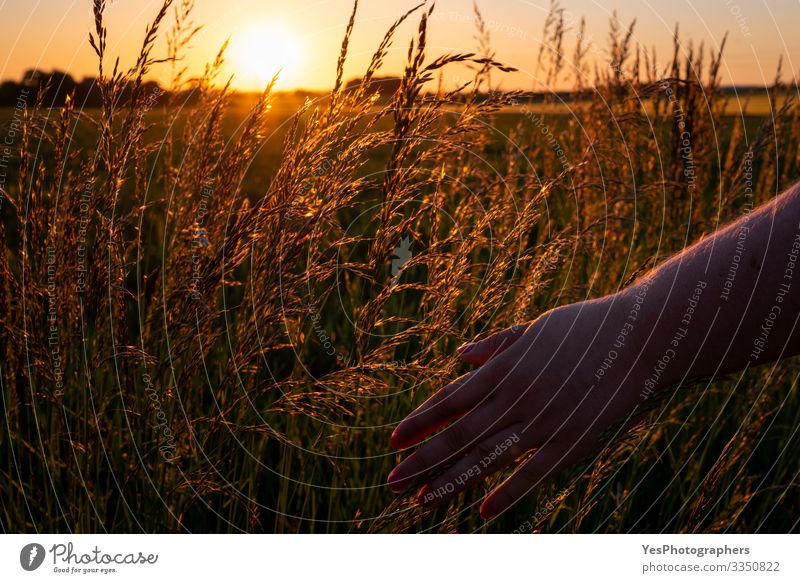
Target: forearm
729 301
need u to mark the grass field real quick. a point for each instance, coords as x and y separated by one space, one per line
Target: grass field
204 326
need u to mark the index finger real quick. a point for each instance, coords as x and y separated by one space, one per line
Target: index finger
447 404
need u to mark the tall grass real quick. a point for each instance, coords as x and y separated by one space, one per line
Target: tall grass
181 352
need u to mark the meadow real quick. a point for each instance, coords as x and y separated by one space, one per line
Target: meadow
213 313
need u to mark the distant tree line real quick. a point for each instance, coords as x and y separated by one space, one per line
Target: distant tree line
53 87
56 85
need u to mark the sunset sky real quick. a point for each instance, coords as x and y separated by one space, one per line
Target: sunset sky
304 36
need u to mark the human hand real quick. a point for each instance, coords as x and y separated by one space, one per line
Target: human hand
551 387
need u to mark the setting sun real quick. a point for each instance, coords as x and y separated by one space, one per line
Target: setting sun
260 52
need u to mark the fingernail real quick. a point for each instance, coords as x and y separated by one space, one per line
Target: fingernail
486 511
393 481
464 348
394 440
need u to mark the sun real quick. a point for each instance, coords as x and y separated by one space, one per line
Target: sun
260 52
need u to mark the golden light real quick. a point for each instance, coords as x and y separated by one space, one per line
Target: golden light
260 52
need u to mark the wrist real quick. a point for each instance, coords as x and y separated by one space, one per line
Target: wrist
635 317
665 342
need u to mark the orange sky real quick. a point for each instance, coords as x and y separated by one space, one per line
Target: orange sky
304 36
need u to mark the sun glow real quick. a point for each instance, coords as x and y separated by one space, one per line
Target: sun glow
260 52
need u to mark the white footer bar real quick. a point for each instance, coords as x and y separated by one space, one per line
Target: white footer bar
400 558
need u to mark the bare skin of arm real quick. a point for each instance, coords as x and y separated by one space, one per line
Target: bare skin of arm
549 390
